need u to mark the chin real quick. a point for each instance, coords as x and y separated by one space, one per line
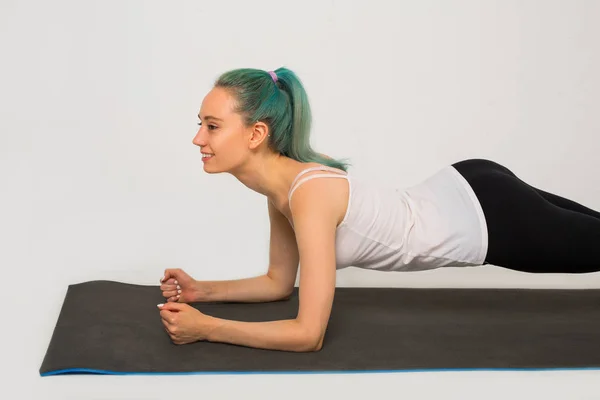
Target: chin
209 169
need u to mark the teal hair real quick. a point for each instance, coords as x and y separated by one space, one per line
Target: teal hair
282 105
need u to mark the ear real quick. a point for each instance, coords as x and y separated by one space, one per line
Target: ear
259 133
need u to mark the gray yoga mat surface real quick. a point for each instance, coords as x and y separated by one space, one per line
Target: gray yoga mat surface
115 328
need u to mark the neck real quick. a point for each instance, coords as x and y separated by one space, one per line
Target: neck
270 175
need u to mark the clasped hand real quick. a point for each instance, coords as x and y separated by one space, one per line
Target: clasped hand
183 323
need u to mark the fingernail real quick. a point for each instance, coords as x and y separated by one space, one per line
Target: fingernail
179 291
160 305
162 279
178 296
178 287
176 283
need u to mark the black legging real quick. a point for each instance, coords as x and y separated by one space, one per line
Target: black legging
531 230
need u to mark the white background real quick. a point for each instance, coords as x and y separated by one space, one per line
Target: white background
100 179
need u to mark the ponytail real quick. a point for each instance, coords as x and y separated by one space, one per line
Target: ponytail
277 98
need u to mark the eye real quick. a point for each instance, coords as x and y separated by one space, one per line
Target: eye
210 127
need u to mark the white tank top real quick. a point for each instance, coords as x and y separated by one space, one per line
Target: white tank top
437 223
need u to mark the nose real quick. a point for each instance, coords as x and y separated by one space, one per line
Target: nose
200 138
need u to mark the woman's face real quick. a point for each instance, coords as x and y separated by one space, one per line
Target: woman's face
222 137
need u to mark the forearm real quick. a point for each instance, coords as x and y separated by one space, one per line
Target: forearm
285 335
256 289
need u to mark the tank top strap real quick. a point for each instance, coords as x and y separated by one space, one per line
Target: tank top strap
319 168
338 173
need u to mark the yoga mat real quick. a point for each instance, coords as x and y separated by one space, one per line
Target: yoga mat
114 328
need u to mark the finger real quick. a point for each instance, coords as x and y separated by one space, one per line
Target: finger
168 327
170 293
172 307
167 317
171 274
172 286
172 298
166 275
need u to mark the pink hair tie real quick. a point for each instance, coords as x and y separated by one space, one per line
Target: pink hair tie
273 75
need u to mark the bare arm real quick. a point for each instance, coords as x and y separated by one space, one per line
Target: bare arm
257 289
315 224
276 284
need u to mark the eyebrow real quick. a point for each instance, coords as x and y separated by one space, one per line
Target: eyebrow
210 117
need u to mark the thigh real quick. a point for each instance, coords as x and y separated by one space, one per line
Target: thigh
567 204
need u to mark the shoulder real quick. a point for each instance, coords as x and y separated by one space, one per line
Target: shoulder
322 198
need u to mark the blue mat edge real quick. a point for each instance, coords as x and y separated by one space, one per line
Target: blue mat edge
108 372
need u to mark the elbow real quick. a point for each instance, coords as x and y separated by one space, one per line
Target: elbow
318 344
312 340
286 293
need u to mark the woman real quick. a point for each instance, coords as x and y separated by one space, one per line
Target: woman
256 124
